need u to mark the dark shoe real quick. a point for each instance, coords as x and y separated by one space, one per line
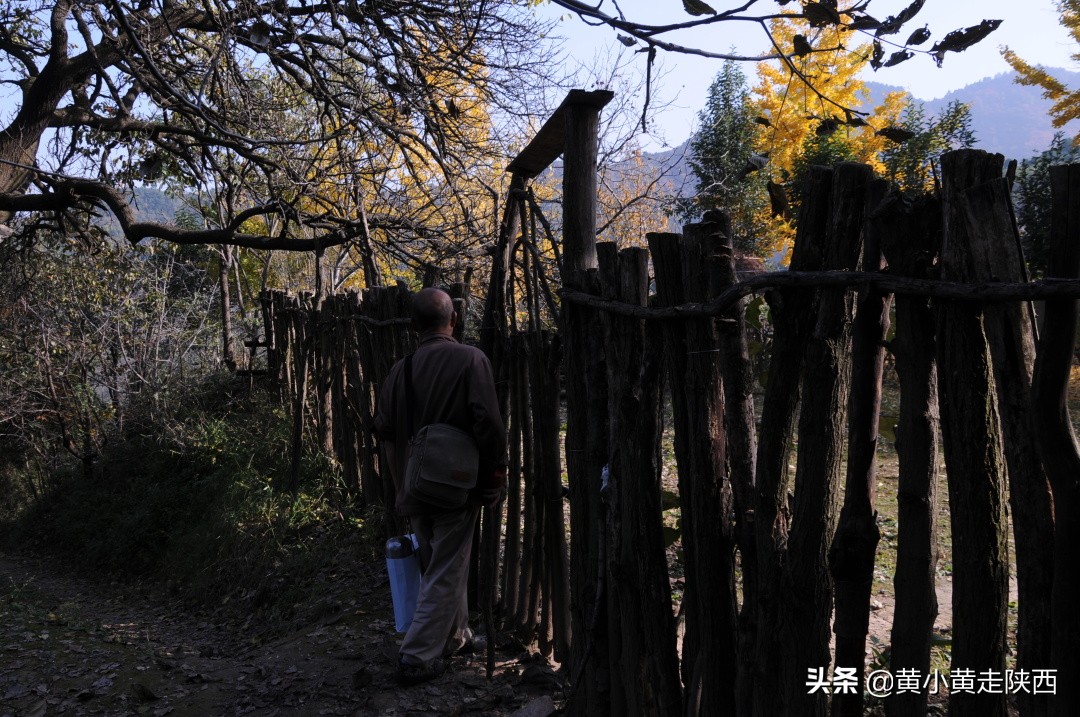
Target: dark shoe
409 674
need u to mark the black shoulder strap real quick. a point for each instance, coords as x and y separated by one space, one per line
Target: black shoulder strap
410 398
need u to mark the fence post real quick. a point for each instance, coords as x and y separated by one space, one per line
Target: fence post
741 421
586 416
681 266
851 556
792 312
825 379
972 440
644 663
910 233
1057 441
996 257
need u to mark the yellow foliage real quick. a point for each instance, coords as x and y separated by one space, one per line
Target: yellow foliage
628 207
1066 105
795 110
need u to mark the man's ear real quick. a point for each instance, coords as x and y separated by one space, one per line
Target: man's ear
453 319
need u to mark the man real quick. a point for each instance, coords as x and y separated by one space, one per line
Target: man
453 384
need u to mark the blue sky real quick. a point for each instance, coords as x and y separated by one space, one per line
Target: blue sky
1029 27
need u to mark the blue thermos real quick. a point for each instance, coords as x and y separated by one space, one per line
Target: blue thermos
404 570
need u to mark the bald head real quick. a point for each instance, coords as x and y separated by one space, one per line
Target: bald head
433 310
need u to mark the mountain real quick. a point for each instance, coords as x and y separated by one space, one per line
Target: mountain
1008 118
150 205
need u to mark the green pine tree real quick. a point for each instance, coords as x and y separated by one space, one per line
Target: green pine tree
911 163
719 155
1032 199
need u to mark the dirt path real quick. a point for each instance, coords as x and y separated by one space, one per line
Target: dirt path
73 645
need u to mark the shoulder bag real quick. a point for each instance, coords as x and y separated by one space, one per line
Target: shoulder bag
443 460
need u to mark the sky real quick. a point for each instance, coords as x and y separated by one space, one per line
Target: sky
1030 28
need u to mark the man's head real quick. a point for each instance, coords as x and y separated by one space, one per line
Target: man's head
433 311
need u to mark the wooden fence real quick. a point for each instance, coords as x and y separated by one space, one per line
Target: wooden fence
328 357
777 563
806 542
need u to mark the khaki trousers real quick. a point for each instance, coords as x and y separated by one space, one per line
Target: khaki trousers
442 604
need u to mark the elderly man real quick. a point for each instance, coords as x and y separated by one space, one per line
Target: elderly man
452 384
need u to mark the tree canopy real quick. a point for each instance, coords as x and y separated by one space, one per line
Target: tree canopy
304 124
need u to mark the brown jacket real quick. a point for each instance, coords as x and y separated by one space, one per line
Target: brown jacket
453 384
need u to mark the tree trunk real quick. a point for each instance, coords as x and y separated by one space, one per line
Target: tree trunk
973 459
911 240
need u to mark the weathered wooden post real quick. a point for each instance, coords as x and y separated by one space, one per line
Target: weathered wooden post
546 356
822 419
851 557
301 339
1057 442
225 260
996 256
323 326
586 409
741 422
910 232
644 663
681 266
973 459
793 312
519 403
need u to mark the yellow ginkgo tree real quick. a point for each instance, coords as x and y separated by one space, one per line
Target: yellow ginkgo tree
1066 101
805 113
795 115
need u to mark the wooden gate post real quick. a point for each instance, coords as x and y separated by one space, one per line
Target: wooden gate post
586 409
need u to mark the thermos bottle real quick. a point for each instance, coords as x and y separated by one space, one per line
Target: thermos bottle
404 570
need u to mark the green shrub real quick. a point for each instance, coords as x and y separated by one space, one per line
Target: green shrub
191 500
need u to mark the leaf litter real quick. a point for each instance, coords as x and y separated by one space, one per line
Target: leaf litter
73 644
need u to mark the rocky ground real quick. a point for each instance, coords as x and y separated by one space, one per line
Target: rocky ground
75 644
